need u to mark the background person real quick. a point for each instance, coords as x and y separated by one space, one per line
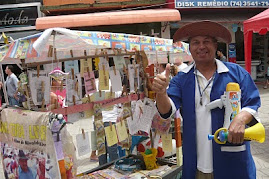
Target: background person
199 84
11 84
221 56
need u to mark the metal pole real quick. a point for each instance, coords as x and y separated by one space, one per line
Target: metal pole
4 87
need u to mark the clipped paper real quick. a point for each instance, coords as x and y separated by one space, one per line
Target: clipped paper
167 142
121 131
111 135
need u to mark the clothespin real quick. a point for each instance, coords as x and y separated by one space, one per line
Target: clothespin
74 100
73 73
100 93
38 70
88 70
119 51
114 69
71 53
96 51
121 121
111 92
43 91
89 98
50 51
115 51
85 54
55 54
104 75
83 133
110 124
76 87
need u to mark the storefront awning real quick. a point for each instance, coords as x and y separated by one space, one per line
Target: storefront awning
108 18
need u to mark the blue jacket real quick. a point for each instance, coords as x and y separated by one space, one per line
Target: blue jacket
225 164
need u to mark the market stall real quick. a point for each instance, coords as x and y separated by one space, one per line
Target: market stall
69 64
257 24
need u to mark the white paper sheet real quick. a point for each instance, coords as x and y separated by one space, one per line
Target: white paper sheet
36 87
115 80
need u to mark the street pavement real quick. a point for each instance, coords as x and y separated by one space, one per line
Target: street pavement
259 151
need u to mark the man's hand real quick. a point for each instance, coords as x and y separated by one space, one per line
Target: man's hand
161 82
237 127
16 97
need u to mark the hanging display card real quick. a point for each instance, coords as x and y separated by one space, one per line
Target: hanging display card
68 65
111 135
103 80
142 117
39 86
167 142
115 78
83 144
133 71
89 81
85 64
121 131
119 62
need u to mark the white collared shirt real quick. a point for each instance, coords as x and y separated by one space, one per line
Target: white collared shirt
203 119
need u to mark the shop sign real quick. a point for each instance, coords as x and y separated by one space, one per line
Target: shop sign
16 17
220 3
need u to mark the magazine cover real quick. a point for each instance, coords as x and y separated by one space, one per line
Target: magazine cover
26 145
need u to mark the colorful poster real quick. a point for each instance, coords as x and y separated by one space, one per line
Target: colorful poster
27 145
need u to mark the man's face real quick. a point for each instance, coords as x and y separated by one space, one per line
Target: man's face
7 70
23 164
203 48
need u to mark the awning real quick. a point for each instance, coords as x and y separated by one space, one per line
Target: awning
257 24
108 18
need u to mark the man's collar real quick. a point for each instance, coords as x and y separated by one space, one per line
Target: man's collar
221 68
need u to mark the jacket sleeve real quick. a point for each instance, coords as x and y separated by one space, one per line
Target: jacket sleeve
250 96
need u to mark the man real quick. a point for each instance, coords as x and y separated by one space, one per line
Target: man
12 85
221 56
24 171
197 85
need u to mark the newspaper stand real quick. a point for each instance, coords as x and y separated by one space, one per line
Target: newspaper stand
51 46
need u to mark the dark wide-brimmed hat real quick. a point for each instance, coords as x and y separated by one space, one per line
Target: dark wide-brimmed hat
203 28
22 155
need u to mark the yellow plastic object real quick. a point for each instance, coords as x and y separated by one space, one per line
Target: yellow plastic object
232 87
256 132
217 134
150 160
